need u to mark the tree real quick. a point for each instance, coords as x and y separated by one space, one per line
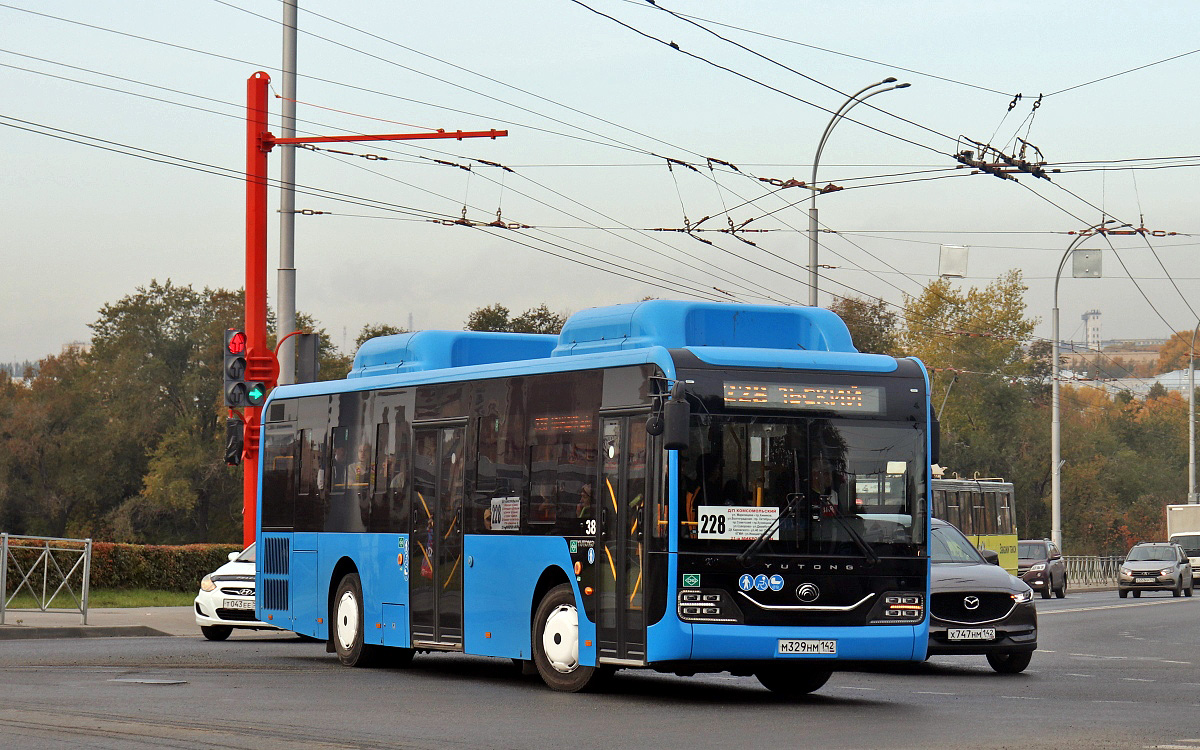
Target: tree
872 324
372 330
497 318
490 318
1174 354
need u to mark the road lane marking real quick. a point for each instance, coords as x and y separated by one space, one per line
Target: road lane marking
1170 661
1072 674
1108 606
1137 679
931 692
1099 701
1022 697
851 687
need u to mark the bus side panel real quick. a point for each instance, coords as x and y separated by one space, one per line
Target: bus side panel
498 583
380 570
866 643
308 606
669 639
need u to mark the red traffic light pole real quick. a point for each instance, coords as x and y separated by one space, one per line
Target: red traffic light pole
261 363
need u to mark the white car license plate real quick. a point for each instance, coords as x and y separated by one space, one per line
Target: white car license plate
239 604
805 646
971 634
1143 580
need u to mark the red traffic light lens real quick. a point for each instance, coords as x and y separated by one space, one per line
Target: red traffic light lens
236 343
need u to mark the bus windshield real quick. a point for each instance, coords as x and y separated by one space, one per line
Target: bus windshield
798 486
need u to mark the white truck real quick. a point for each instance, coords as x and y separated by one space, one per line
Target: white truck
1183 528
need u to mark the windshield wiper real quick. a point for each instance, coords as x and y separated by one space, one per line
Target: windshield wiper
793 499
867 550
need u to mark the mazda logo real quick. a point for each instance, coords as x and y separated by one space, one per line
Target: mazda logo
971 602
807 592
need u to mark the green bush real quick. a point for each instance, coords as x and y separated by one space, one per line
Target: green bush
126 566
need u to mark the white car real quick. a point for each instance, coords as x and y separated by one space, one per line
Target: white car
226 598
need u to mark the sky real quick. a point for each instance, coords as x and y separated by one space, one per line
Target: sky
124 138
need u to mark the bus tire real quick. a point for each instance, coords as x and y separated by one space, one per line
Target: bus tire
556 643
347 626
793 682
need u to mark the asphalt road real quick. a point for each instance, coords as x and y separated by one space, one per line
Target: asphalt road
1111 673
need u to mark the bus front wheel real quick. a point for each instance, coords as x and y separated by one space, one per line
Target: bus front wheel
556 643
793 682
347 624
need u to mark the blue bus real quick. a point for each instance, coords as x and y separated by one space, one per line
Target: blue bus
679 486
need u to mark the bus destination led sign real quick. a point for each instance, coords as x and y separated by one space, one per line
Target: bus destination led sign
844 399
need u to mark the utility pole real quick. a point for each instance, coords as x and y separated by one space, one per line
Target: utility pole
261 362
286 276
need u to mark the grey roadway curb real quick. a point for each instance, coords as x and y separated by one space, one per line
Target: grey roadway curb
20 632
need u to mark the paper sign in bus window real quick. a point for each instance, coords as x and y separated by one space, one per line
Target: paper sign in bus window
735 522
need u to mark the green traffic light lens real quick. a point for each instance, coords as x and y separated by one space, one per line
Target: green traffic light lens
256 394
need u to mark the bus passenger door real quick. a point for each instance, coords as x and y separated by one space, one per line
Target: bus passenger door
435 593
621 616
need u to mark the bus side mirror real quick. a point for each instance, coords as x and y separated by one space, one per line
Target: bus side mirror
677 414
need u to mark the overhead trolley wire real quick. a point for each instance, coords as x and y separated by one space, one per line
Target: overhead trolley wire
643 3
751 79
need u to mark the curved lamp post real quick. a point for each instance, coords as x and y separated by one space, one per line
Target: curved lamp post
1055 424
841 112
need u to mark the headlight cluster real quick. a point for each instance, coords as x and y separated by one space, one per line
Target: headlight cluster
707 605
905 607
206 584
1126 571
1166 571
1024 596
1036 567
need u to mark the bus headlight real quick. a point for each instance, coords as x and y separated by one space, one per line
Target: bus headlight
706 605
899 608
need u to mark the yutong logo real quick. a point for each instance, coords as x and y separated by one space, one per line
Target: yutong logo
971 602
807 592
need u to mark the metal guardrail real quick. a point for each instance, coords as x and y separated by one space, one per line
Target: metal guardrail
1092 570
47 553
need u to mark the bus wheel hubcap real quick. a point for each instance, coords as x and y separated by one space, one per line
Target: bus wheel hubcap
347 621
560 640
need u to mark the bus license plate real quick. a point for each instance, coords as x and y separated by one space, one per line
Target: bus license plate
971 634
1143 580
798 646
239 604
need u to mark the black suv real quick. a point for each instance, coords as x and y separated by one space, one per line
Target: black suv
1041 565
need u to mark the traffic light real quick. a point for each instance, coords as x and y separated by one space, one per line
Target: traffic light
235 368
255 393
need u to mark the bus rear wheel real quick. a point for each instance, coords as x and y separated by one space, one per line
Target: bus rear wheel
793 682
347 625
556 644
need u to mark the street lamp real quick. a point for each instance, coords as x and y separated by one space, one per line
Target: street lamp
841 112
1055 424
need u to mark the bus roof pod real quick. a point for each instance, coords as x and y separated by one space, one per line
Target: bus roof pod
670 324
675 324
435 350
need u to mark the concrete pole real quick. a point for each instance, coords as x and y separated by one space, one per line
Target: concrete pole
286 278
1192 418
